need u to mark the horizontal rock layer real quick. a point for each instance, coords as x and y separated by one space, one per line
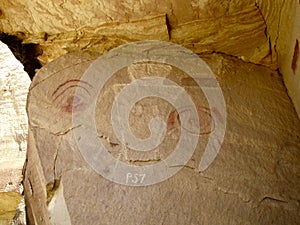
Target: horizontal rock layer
53 17
232 27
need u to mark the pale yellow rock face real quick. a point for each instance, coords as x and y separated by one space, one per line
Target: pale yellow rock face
101 38
283 28
240 34
232 27
9 202
253 180
39 16
14 85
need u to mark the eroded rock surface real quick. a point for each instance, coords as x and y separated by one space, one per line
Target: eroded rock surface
282 19
231 27
8 204
14 85
55 17
253 180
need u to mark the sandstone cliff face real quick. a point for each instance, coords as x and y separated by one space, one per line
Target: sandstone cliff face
14 85
254 30
283 22
233 27
60 16
253 180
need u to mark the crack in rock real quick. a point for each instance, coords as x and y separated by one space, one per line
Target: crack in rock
64 132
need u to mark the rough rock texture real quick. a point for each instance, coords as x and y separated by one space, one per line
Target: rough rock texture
240 34
282 18
20 214
14 85
25 53
58 16
254 179
8 204
101 38
232 27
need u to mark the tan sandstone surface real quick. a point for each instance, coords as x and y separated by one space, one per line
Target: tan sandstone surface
253 180
8 204
262 32
283 29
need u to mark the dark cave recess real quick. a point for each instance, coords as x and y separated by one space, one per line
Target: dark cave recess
26 53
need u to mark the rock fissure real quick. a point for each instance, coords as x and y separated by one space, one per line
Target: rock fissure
278 26
66 131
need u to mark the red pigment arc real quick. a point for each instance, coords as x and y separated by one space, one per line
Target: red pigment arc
73 103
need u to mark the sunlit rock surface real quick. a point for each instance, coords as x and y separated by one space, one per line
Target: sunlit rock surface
253 180
232 27
283 29
9 202
14 85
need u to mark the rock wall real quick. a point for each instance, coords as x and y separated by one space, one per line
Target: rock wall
282 18
253 180
232 27
255 177
54 17
14 85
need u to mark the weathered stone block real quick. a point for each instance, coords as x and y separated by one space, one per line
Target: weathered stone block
253 180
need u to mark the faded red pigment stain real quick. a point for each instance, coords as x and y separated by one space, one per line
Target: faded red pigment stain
73 103
295 56
68 82
205 120
172 119
64 96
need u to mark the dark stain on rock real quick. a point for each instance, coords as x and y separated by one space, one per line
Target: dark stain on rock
295 56
173 117
51 189
26 53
